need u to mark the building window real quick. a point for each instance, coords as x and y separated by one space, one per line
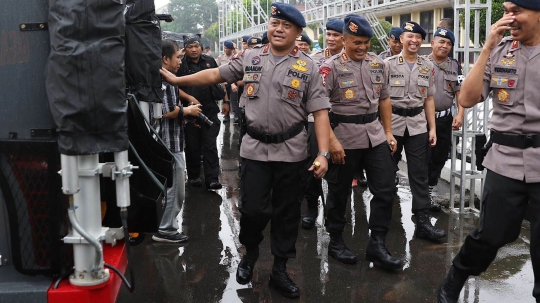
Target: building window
388 18
426 22
448 13
404 18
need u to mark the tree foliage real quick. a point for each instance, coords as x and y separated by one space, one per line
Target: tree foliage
375 44
497 12
191 16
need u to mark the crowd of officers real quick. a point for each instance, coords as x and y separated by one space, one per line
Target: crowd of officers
364 110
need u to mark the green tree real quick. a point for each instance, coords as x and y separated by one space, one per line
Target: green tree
190 16
497 12
376 46
211 34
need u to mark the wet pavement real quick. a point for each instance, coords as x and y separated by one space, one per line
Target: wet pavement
203 269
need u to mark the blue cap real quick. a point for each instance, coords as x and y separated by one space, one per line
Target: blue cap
395 32
287 12
413 27
304 38
228 44
207 47
357 26
264 39
245 38
254 41
528 4
335 25
445 33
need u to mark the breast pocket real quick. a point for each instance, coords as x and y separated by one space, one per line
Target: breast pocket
293 90
397 88
423 86
449 84
504 89
348 88
376 84
251 85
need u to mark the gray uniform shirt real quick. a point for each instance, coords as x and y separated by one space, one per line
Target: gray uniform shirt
355 89
446 82
223 59
516 108
277 96
409 89
321 55
386 54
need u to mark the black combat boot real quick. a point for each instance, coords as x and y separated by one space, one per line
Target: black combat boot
452 285
308 221
435 207
377 252
424 229
244 272
280 280
338 249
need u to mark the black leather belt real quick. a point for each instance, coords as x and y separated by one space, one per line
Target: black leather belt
519 141
276 138
407 112
357 119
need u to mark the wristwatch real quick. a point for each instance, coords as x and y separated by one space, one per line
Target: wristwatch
324 154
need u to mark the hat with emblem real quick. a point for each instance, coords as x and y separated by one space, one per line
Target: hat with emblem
529 4
264 38
287 12
357 26
395 32
245 38
445 33
413 27
228 44
304 38
335 25
254 41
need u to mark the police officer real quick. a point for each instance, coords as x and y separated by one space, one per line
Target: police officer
510 69
228 52
304 43
254 41
447 87
357 86
395 43
334 42
264 38
411 91
282 85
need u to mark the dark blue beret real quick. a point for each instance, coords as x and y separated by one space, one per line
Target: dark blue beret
245 38
254 40
357 26
445 33
265 38
413 27
395 32
304 38
528 4
287 12
228 44
207 47
335 25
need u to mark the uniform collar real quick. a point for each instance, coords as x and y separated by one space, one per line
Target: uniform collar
265 49
327 53
294 52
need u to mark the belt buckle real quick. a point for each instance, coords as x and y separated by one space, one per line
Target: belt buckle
528 141
268 138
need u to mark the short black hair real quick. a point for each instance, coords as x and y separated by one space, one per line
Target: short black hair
448 23
168 48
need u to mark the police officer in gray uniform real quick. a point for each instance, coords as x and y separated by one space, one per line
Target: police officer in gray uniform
411 91
512 185
282 85
357 86
395 43
334 41
447 87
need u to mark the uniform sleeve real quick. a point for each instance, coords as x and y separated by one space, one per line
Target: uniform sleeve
431 88
327 77
317 97
487 80
234 70
218 60
384 86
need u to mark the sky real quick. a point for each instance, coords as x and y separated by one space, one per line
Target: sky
160 3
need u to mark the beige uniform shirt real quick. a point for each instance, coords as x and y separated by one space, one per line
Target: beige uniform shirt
355 89
277 96
446 82
516 108
319 57
223 59
386 54
409 89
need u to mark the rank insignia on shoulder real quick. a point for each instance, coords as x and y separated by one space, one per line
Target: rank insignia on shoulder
515 44
419 60
294 51
250 89
295 83
349 94
502 95
266 47
400 59
344 57
292 94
